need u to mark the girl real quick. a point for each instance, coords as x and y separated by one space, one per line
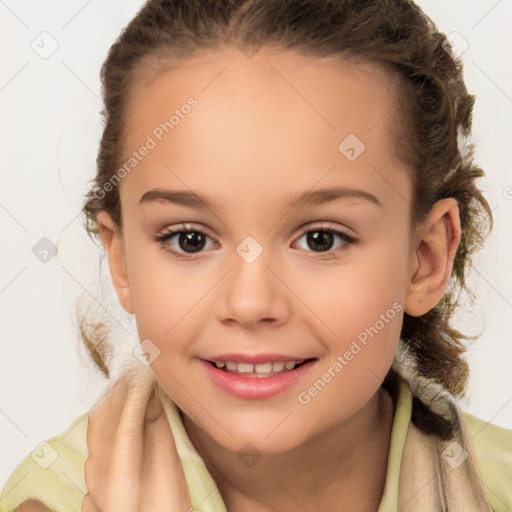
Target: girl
288 209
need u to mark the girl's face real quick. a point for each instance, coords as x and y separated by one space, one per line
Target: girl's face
259 278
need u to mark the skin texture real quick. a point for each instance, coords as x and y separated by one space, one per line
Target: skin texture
266 128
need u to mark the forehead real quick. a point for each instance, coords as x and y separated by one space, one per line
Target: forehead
330 89
275 117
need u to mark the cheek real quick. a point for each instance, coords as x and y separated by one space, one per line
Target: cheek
360 305
352 295
365 319
166 310
166 298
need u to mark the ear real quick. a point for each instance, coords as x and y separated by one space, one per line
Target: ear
112 239
434 250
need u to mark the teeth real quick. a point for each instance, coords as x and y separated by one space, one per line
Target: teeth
245 367
260 369
278 366
263 368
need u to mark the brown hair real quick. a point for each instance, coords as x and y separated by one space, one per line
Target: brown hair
436 119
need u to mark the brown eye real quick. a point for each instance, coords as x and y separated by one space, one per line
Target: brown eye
191 241
322 239
180 242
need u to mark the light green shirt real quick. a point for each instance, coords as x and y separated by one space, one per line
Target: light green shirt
54 473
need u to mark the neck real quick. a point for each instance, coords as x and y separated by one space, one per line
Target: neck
344 465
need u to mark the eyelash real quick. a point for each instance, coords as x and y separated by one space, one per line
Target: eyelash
163 237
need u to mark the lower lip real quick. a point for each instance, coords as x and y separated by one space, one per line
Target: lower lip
256 388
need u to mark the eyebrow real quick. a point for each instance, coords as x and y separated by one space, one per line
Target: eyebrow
308 198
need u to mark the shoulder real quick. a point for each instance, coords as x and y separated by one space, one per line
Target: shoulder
493 449
52 476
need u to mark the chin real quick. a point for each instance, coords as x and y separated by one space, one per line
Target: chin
261 439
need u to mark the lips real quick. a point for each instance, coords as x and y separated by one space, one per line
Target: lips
252 380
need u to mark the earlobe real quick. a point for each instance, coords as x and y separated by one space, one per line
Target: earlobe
432 257
112 240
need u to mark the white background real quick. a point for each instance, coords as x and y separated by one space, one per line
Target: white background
50 129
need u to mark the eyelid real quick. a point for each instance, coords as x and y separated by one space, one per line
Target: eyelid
327 226
185 226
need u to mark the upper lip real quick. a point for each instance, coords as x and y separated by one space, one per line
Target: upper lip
255 358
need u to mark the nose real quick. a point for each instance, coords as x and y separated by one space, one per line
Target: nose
254 293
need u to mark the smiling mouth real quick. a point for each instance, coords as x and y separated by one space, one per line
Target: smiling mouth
268 369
